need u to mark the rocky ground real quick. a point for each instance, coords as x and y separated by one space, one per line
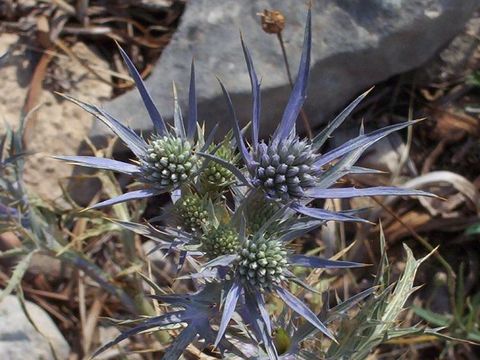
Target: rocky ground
56 126
47 48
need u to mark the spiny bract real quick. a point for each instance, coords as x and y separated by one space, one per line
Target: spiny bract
219 241
263 262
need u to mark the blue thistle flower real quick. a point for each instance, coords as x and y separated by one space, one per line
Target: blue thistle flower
215 178
221 240
290 170
255 264
249 258
262 267
164 162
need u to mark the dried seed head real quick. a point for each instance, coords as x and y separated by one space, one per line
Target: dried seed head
193 212
169 162
273 21
262 263
219 241
215 177
286 168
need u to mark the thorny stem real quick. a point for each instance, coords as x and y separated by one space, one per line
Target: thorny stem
450 273
304 117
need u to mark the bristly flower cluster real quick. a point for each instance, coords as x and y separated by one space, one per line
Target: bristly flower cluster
239 208
166 160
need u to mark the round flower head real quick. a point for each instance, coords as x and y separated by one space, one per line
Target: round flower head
291 170
263 263
219 241
169 161
286 169
216 177
193 212
166 160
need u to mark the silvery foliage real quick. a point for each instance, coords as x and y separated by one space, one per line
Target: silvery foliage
246 261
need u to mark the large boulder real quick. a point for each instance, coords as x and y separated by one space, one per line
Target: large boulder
355 45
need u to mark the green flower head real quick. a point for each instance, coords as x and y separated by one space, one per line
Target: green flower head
222 240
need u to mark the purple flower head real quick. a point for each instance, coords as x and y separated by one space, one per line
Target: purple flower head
291 170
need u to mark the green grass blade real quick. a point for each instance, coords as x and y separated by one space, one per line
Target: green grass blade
17 275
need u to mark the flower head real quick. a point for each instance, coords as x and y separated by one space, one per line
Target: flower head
216 177
273 21
290 170
166 160
219 241
286 168
169 161
263 263
193 212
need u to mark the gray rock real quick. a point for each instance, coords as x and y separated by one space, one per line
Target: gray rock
355 45
458 59
18 338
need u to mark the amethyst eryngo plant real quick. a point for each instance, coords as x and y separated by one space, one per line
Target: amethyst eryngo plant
167 160
239 211
245 268
239 284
